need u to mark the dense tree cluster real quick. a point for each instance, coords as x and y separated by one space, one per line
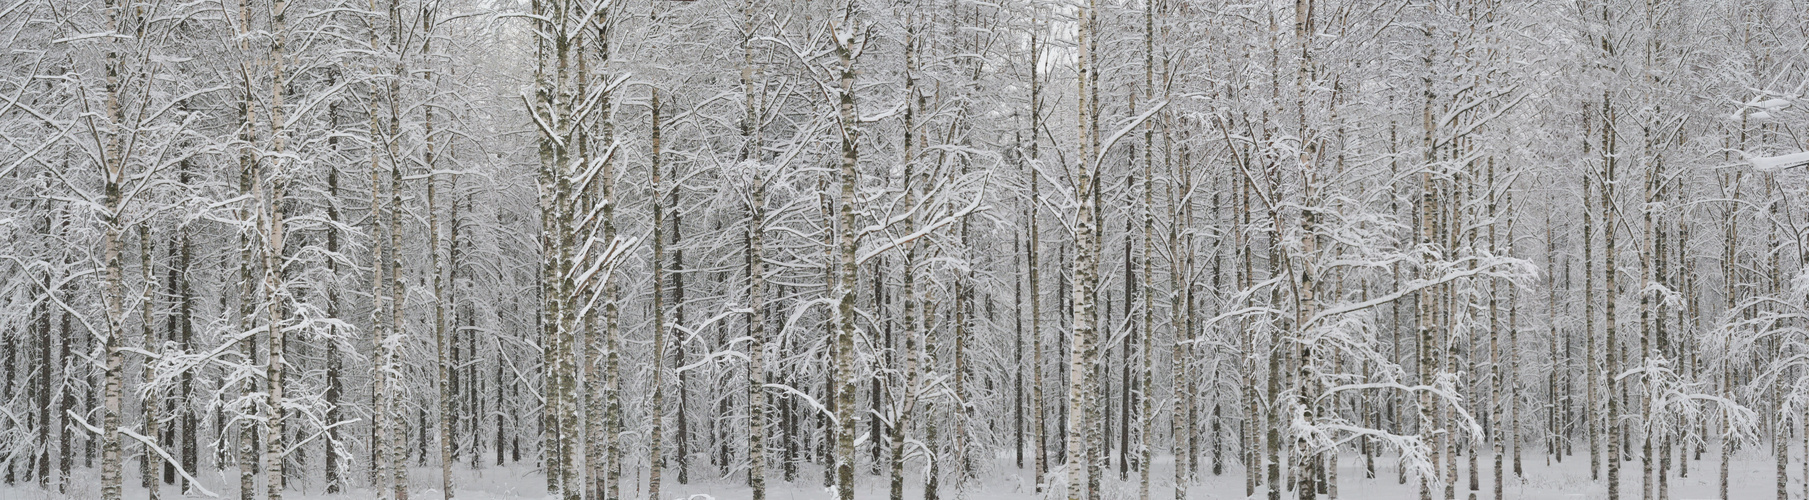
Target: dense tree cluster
365 245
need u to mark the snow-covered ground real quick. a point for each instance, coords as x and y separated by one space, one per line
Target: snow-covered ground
1752 477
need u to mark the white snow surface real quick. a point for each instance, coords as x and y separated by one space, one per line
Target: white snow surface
1752 476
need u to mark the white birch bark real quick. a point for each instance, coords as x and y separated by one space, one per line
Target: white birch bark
847 34
1083 427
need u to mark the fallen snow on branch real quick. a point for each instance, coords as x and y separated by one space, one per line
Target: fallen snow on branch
1776 163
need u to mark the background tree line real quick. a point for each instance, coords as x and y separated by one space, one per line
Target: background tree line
370 245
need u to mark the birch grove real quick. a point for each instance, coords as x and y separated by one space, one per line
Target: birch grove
1081 249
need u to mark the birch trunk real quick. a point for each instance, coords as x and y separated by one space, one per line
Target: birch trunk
1513 350
248 175
1559 404
114 172
846 239
1648 246
1302 266
1730 291
148 465
1591 371
1083 428
1148 344
901 419
184 330
1609 294
379 469
1495 345
1179 299
1039 421
1017 353
335 389
657 412
398 432
274 238
756 264
1424 303
606 472
442 360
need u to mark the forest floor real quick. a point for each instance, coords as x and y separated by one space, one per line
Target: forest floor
1752 476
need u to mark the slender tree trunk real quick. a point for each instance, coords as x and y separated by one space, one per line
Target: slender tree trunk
1558 401
607 470
1424 302
657 412
913 330
441 290
184 329
844 376
1780 416
248 179
114 176
335 389
1648 246
1039 420
47 380
1495 362
397 448
1609 294
1592 374
148 465
1512 381
683 433
379 470
1017 354
1148 344
1082 428
1730 293
757 402
274 265
1127 384
1452 226
34 332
